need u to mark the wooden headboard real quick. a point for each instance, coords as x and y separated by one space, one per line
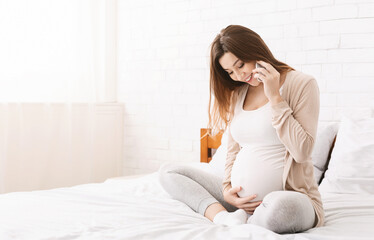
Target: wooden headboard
207 143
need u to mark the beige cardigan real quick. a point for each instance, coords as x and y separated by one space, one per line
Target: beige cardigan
295 120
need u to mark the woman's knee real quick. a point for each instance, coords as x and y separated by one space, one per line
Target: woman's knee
165 173
285 211
170 175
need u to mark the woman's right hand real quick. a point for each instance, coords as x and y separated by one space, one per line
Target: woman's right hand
230 195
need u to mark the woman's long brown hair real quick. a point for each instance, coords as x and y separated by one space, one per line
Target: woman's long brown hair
247 46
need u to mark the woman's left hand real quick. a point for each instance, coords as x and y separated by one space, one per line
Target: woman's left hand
270 78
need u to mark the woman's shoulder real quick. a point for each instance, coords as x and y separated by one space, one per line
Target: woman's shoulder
298 82
299 79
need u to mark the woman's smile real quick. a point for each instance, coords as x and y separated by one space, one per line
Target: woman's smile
248 79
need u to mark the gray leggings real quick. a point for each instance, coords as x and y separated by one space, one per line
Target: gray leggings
280 211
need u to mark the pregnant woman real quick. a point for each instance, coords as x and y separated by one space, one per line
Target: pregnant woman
270 113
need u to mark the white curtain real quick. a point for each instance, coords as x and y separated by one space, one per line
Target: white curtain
54 56
57 50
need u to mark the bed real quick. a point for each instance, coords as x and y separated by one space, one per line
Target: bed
138 208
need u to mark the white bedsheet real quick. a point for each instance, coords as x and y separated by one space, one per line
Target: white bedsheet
140 209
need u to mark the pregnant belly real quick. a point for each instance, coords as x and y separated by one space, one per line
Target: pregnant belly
258 171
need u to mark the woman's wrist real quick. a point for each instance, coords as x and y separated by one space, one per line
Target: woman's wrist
227 187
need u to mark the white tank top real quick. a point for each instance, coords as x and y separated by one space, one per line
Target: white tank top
258 167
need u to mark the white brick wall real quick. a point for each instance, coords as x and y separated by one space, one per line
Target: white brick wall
164 64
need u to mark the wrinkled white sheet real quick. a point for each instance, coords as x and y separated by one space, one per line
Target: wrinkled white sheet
348 216
140 209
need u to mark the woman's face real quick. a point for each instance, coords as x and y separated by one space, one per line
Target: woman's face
239 70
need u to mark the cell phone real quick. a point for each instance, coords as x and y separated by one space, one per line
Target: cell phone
259 66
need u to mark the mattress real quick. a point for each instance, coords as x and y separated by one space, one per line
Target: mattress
140 209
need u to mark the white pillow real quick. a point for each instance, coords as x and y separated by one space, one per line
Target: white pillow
326 133
351 167
325 136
